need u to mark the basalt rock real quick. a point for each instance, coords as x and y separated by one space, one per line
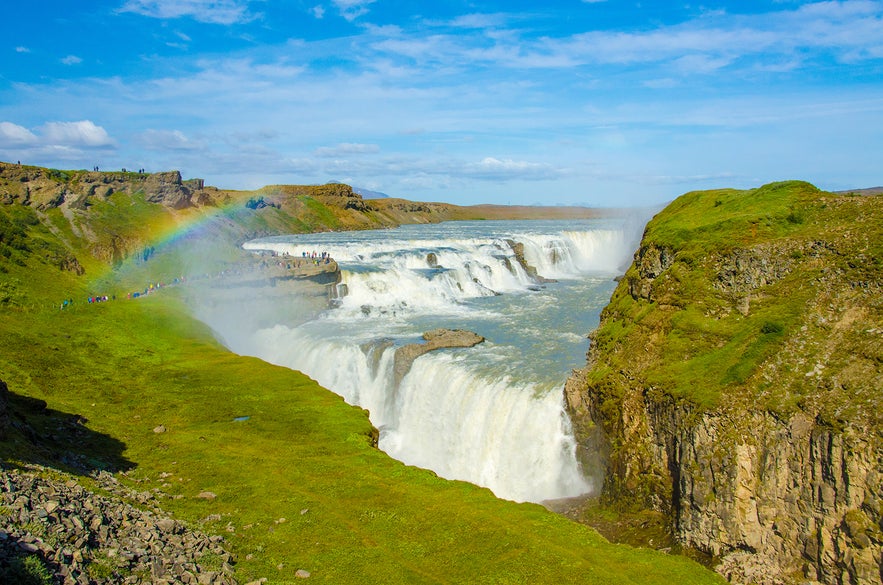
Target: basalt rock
83 537
167 189
518 250
435 339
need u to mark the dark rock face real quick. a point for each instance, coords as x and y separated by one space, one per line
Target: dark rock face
83 537
650 261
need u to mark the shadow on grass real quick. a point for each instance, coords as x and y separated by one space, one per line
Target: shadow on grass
32 433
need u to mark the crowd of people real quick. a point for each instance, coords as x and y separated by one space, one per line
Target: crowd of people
323 258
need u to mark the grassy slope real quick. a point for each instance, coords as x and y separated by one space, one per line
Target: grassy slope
822 306
128 366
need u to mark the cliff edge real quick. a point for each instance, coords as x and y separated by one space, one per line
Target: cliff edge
734 382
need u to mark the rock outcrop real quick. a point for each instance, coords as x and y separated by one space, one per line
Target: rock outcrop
435 339
518 250
48 188
733 384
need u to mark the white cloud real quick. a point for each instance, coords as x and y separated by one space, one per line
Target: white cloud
54 143
208 11
15 135
661 83
352 9
347 148
479 20
704 64
22 50
71 60
81 134
490 168
318 11
848 31
167 140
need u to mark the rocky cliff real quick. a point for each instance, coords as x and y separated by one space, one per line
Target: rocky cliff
49 188
734 383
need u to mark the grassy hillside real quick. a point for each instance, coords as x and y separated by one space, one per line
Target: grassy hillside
740 286
298 483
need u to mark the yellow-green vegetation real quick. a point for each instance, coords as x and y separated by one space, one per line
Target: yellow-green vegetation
764 301
767 298
298 483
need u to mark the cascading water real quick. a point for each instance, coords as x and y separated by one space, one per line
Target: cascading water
492 414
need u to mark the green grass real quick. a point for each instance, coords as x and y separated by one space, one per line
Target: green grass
702 221
351 514
689 341
130 366
28 570
323 216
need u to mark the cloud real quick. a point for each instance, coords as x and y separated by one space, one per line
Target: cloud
661 83
15 135
22 50
208 11
804 35
71 60
79 134
479 20
345 149
352 9
702 64
167 140
494 169
54 143
318 11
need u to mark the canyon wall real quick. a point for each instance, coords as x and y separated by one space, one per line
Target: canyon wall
734 383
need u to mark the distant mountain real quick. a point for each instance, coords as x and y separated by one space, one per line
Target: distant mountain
867 191
369 194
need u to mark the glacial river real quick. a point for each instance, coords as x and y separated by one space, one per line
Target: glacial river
492 414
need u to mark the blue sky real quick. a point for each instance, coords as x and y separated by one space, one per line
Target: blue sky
589 102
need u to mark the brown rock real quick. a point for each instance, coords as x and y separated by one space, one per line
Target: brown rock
436 339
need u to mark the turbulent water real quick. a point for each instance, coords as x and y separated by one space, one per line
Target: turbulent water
492 414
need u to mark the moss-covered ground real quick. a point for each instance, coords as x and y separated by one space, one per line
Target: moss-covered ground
772 297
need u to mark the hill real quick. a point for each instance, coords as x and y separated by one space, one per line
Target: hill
734 382
132 408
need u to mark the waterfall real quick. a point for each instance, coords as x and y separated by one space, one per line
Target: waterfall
492 414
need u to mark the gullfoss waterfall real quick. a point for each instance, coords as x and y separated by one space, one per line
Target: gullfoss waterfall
492 414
